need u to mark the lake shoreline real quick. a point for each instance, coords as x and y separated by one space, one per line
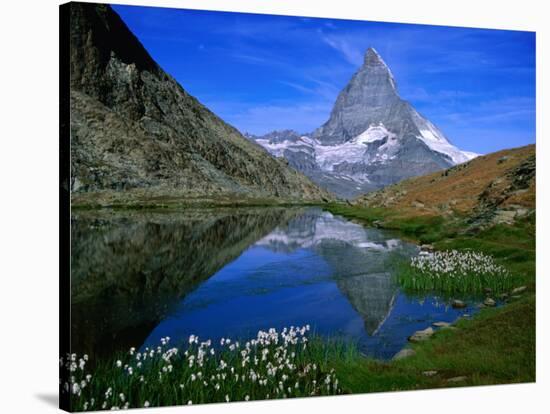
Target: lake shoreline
503 336
496 345
128 200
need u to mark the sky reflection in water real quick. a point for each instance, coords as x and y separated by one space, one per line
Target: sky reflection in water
315 269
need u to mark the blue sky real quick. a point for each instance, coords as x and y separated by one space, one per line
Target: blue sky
261 72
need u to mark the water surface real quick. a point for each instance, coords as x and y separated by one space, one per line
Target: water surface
228 273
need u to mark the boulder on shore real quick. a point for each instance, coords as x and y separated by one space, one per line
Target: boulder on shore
404 353
489 302
457 379
420 336
519 290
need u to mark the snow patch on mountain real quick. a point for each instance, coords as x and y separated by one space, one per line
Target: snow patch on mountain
278 148
373 133
354 151
470 155
436 141
330 158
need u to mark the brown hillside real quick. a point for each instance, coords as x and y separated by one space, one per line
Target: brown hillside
498 187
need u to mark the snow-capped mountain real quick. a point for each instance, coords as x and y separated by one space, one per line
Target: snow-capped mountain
373 138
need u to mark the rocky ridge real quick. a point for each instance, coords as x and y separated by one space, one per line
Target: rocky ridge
137 134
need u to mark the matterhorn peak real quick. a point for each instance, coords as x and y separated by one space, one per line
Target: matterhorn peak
372 57
374 65
372 138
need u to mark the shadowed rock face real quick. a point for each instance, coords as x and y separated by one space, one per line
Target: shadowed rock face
134 128
130 269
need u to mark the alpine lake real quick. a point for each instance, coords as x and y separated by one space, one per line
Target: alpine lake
228 272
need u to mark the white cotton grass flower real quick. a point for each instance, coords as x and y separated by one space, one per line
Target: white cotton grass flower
270 364
457 270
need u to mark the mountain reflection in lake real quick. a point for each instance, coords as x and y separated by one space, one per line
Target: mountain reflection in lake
229 272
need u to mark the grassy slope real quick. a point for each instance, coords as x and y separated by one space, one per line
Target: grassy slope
457 191
497 345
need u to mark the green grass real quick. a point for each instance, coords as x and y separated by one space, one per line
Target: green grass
512 246
495 347
175 203
424 229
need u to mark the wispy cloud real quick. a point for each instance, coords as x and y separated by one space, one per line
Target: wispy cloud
351 53
261 119
319 89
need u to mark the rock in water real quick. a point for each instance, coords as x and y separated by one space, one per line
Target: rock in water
458 304
373 138
136 133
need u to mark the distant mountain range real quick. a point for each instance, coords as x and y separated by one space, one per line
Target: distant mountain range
373 138
137 135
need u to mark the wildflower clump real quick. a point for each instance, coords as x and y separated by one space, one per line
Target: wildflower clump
272 365
454 271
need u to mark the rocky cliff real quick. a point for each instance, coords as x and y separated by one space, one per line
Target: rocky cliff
136 134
